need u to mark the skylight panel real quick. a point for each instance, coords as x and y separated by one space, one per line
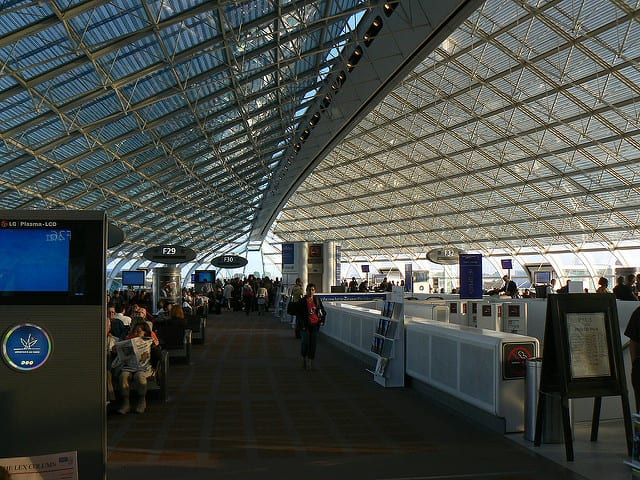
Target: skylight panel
80 192
109 20
95 110
18 110
85 164
46 50
131 58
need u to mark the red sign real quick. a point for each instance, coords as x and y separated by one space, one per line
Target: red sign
514 359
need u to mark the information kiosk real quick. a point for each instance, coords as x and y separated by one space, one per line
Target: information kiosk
514 317
473 311
53 331
458 312
489 316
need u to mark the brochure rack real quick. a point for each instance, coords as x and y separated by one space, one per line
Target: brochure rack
387 343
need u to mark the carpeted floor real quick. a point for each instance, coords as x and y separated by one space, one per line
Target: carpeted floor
245 409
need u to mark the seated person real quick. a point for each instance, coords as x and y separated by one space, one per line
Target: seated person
116 326
171 333
164 314
177 316
111 343
135 321
133 367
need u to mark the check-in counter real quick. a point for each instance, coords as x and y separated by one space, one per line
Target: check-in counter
352 325
514 317
433 308
482 367
458 312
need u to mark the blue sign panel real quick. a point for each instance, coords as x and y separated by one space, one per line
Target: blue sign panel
26 347
470 275
288 258
408 277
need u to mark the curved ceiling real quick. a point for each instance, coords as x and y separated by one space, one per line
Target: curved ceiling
503 126
518 134
173 116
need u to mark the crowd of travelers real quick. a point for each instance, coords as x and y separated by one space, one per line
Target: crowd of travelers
626 288
131 315
353 286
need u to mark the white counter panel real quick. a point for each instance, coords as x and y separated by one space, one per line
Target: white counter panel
467 363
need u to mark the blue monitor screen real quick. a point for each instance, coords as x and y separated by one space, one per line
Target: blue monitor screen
543 277
205 276
54 260
35 260
133 277
507 264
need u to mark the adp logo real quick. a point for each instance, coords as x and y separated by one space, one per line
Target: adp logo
26 347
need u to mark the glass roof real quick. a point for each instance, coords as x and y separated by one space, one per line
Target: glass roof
171 115
517 135
513 129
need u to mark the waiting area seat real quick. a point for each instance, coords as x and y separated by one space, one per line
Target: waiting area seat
157 383
174 339
197 324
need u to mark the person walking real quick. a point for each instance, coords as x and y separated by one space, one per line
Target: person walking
311 316
296 293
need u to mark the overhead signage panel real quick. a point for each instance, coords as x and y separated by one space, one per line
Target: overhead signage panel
169 254
444 256
229 261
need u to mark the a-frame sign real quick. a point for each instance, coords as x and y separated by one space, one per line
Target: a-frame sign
582 357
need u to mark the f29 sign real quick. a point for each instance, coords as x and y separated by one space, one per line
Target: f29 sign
229 261
169 254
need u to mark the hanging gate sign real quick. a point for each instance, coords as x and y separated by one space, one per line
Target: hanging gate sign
169 254
229 261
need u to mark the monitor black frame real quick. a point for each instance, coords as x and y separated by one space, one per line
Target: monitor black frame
134 273
86 255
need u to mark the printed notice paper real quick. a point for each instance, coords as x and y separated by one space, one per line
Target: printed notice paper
588 345
57 466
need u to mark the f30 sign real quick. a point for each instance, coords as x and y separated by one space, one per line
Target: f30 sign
229 261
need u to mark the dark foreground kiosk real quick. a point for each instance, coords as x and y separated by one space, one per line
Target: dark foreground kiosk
52 322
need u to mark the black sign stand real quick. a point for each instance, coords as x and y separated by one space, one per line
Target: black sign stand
582 358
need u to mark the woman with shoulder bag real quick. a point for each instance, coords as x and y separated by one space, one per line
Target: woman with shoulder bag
310 314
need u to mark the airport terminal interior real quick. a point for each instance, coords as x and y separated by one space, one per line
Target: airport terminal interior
337 141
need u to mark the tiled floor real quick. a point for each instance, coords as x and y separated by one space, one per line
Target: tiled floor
245 409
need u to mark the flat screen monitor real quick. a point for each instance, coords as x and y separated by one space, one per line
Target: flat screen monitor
365 268
507 264
542 277
51 261
205 276
133 278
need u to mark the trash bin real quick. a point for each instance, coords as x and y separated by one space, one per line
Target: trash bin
552 429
